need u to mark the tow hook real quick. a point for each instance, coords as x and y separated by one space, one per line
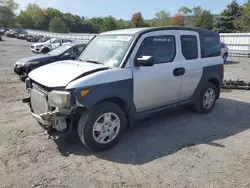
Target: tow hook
26 100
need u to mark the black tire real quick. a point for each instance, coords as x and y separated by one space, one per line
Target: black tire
199 104
45 51
86 124
23 78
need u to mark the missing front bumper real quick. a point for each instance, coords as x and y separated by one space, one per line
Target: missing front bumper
39 119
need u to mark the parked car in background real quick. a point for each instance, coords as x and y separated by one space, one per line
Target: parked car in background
45 47
125 75
44 39
12 34
64 52
224 51
32 38
22 36
2 31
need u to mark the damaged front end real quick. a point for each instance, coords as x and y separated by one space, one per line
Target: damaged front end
54 110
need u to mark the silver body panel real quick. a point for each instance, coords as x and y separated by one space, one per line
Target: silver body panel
102 77
61 73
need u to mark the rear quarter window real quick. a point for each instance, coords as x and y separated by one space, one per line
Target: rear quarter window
189 46
211 46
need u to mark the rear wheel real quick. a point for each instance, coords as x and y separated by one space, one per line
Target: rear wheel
45 51
207 99
102 127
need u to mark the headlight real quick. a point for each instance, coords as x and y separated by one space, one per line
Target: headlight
19 64
60 99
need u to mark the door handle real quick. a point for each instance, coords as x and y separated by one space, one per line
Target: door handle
179 71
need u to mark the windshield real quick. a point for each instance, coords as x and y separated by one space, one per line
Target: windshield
59 50
107 49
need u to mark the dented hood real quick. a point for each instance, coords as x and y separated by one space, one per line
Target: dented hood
61 73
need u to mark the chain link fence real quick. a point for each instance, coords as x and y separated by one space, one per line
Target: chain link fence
238 43
76 37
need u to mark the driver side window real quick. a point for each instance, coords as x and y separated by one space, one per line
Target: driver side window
162 48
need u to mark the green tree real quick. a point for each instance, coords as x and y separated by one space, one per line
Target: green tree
7 12
162 18
35 12
96 22
25 20
57 25
87 27
49 14
73 22
225 22
242 24
185 11
121 24
109 23
187 15
33 17
202 18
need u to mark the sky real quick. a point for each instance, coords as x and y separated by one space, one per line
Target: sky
125 8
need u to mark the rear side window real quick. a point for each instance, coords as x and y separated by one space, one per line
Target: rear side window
66 40
189 46
57 41
211 46
161 47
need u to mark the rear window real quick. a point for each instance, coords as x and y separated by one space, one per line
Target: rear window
211 46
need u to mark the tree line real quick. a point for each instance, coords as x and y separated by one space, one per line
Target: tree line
234 18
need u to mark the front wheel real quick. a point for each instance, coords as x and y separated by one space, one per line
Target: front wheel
102 127
207 99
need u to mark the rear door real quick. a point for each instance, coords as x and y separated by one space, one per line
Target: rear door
191 62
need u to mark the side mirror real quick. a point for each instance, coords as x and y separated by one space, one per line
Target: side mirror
145 61
66 56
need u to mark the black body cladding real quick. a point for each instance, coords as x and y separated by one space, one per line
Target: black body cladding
119 90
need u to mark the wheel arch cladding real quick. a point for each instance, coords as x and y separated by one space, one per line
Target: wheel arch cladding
119 92
211 74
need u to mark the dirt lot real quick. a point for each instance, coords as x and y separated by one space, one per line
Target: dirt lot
178 149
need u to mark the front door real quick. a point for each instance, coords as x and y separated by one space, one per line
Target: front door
156 86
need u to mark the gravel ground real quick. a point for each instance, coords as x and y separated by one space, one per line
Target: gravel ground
177 149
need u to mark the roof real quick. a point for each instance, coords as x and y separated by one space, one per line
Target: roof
137 31
131 31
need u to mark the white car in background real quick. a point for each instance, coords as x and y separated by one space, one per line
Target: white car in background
45 47
224 51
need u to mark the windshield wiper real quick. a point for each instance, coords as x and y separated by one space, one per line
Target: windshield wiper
96 62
